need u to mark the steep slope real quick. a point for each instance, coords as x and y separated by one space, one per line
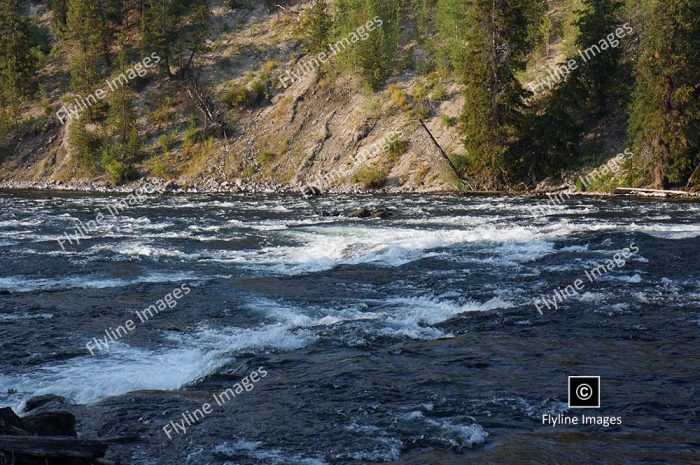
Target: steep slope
324 129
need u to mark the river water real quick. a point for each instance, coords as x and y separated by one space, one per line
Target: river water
413 339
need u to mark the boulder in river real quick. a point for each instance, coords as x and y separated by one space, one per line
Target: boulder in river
40 401
381 213
364 212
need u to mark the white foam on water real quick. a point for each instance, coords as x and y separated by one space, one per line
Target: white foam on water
460 435
575 248
591 297
323 247
271 456
412 317
139 249
124 368
29 284
668 231
20 223
634 279
384 446
25 316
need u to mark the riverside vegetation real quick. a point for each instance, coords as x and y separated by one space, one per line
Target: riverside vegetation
215 110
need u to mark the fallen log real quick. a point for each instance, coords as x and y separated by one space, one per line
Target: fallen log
650 192
446 157
53 447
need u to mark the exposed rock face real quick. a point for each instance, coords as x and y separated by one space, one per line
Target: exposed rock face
311 127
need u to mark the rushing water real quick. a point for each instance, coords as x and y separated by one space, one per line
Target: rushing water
409 340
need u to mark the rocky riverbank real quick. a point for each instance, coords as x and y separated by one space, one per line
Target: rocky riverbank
239 186
208 187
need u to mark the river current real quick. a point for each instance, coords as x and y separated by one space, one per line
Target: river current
415 339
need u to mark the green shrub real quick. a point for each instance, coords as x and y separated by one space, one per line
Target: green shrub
448 121
166 142
250 171
189 137
602 183
225 63
398 97
236 96
421 111
116 171
85 146
461 162
265 157
440 94
371 177
397 148
158 168
163 113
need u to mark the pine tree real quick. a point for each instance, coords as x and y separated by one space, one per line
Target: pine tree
89 33
16 63
318 27
665 119
450 20
15 54
176 31
123 147
598 78
122 115
373 56
497 42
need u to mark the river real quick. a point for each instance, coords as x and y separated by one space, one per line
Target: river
415 339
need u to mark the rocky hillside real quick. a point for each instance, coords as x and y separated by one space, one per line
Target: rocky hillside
253 108
323 130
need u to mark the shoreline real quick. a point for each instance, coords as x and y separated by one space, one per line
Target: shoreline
164 187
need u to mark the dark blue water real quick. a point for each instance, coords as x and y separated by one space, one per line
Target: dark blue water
411 340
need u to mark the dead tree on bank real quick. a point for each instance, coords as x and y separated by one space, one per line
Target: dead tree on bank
203 98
